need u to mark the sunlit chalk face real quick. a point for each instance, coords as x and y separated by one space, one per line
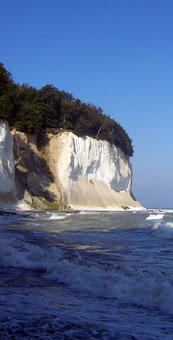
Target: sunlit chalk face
92 173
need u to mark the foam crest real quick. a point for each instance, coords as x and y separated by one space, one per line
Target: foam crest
155 217
83 212
165 231
151 289
168 211
127 285
17 253
56 216
156 226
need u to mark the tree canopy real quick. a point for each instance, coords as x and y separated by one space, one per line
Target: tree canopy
29 109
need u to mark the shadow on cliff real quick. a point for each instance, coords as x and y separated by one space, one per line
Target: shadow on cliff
32 171
42 139
133 197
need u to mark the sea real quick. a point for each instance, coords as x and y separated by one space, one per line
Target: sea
86 275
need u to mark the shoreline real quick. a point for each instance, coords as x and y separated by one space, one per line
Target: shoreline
20 207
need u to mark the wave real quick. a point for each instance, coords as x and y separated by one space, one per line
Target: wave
94 212
164 230
169 211
124 284
161 223
155 217
57 217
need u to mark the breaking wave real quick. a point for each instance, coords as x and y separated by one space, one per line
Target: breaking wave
88 276
124 284
155 217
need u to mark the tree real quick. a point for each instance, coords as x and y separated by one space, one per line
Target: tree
5 80
6 93
29 109
29 118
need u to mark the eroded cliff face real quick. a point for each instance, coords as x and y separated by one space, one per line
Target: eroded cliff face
35 181
63 171
7 168
92 174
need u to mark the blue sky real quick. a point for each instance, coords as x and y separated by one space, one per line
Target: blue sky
114 54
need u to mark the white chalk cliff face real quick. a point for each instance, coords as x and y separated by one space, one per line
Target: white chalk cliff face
7 168
92 174
82 172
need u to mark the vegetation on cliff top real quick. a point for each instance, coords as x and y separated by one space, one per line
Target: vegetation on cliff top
29 109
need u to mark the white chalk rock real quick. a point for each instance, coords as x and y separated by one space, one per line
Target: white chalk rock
7 167
92 173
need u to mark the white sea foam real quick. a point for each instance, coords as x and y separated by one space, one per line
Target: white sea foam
155 217
165 231
156 226
169 211
56 216
169 224
17 253
83 212
126 284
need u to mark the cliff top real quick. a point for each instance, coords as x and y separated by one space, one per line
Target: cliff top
34 110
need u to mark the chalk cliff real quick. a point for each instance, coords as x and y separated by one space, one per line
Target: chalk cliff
7 168
64 171
92 173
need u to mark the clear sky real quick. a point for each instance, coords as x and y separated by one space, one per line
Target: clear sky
117 54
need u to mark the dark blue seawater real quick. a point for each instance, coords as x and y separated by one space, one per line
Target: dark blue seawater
87 275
